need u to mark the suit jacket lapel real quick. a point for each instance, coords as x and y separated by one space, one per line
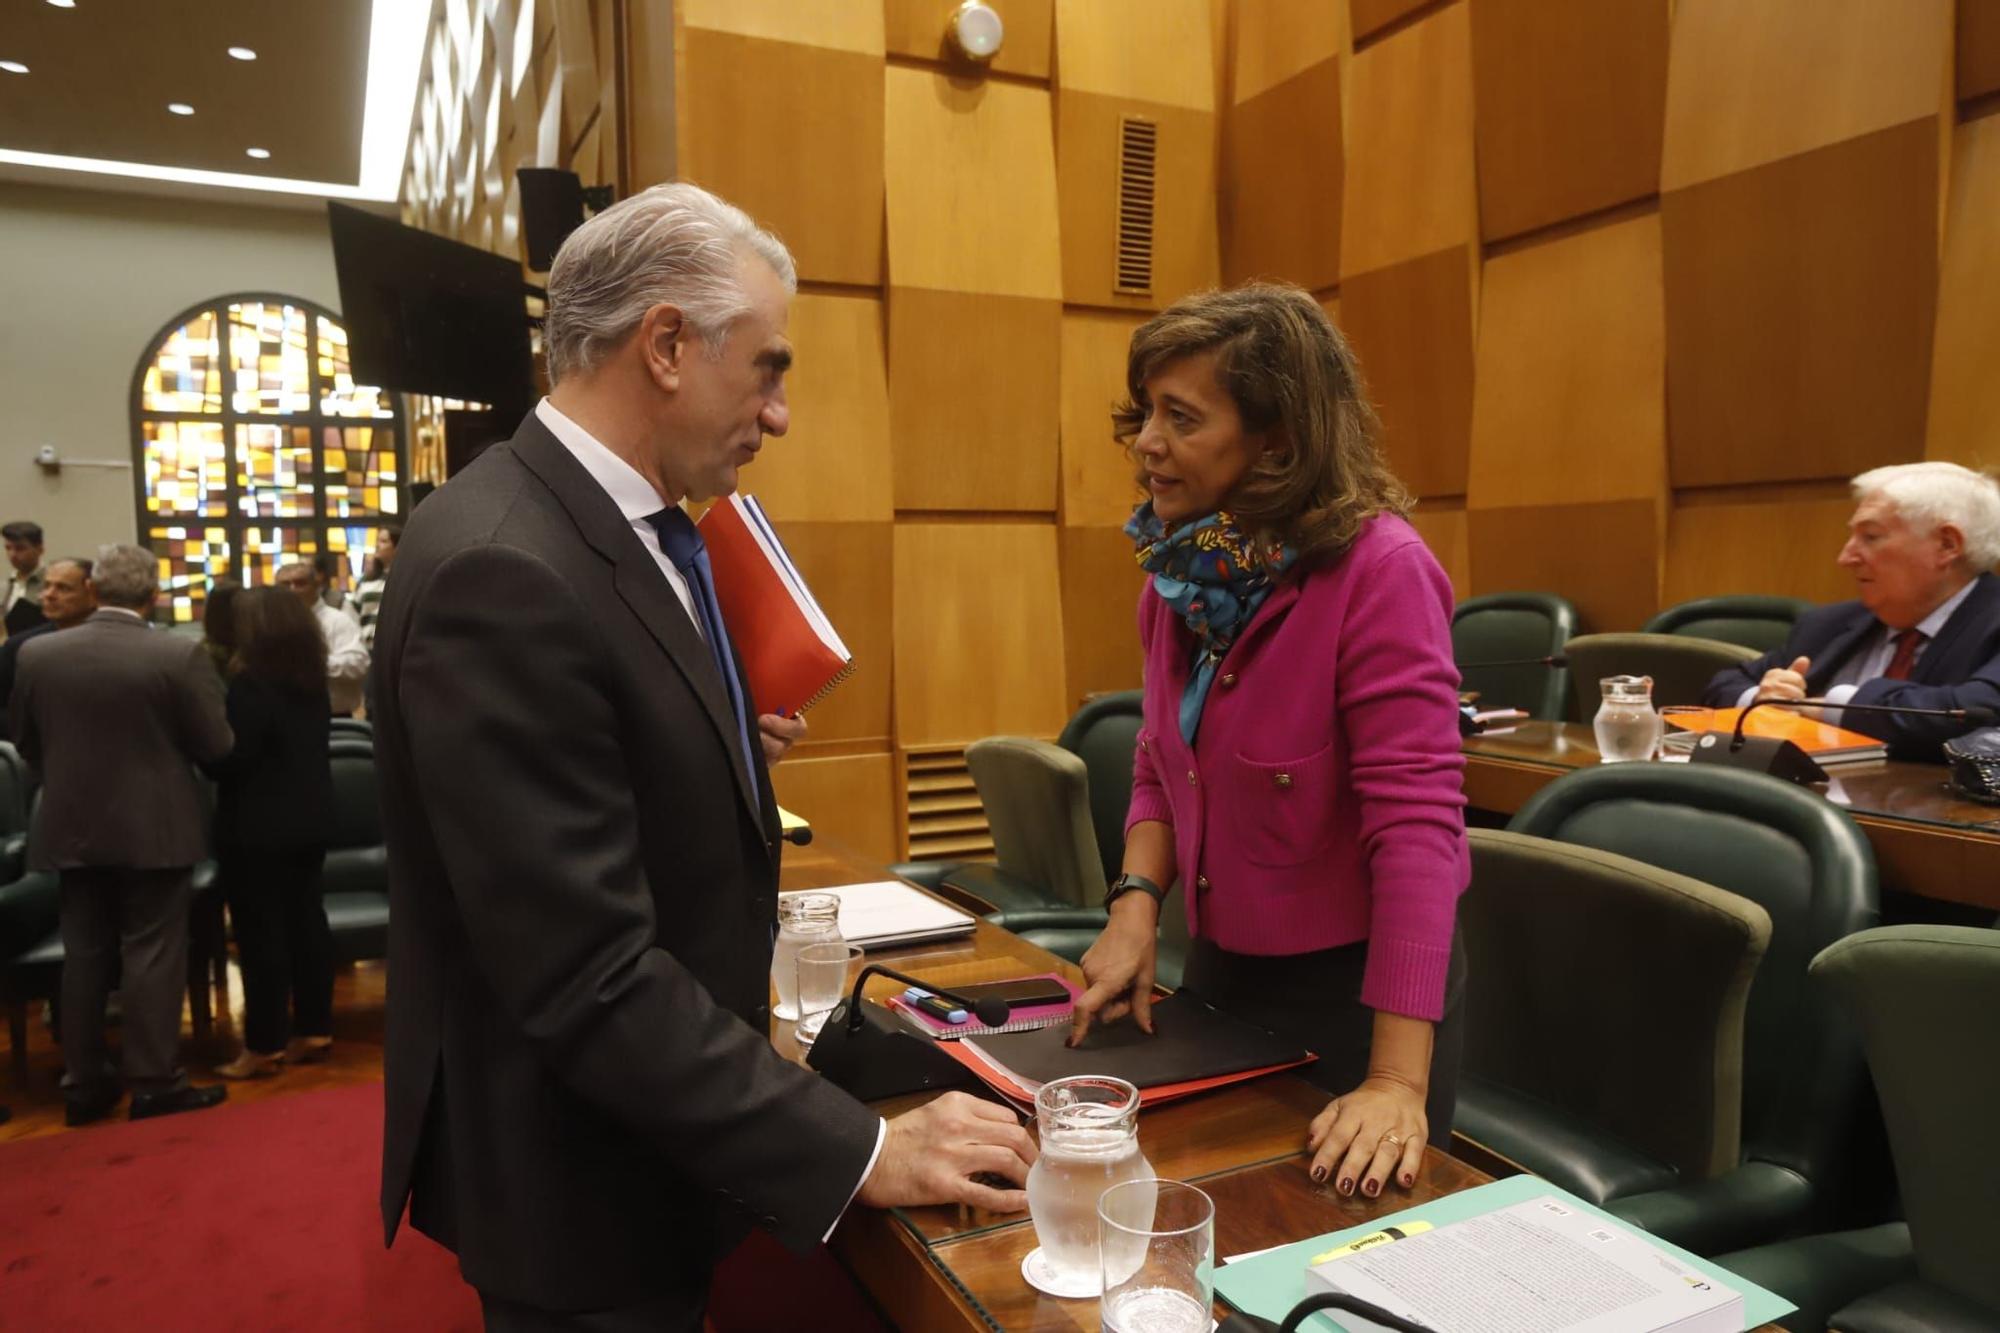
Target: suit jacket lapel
1936 666
1839 648
641 586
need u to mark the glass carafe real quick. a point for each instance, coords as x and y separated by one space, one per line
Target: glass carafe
1626 725
1089 1130
803 918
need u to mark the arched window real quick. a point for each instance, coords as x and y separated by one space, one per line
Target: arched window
253 447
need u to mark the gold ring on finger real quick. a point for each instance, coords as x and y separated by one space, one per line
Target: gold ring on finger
1394 1139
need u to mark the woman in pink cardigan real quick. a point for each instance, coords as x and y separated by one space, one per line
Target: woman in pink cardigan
1298 769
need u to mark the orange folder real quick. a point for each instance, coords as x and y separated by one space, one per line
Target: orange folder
1821 740
790 650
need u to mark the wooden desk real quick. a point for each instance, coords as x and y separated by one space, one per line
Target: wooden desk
1927 841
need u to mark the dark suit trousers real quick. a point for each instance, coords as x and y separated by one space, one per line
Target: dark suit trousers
284 942
667 1315
139 917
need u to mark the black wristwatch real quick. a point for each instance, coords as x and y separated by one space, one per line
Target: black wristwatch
1128 882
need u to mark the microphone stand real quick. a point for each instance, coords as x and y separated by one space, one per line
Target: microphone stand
866 1050
1782 758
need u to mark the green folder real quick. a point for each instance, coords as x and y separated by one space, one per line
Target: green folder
1271 1284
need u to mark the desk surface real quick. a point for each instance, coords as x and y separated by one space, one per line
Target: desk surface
1927 840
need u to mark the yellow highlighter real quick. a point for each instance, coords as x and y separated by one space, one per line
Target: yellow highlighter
1371 1240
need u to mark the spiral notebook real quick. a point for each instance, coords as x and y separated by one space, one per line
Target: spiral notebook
1030 1018
790 650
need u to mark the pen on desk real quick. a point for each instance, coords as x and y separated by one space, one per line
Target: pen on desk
1403 1231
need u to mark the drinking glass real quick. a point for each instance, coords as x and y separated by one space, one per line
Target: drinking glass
803 918
1682 725
826 971
1157 1249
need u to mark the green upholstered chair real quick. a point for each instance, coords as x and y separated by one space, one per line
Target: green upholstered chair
1805 1096
1750 619
1514 627
1924 998
350 728
1104 733
356 878
1679 665
30 954
15 785
1604 1006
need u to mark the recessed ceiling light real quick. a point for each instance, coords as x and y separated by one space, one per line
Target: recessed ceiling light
63 4
242 53
259 153
180 108
13 66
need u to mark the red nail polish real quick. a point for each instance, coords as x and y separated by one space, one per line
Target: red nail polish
1408 1180
1371 1189
1346 1185
1319 1175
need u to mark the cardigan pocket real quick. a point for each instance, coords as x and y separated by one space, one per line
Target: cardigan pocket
1282 810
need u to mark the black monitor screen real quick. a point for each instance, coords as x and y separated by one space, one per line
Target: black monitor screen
428 315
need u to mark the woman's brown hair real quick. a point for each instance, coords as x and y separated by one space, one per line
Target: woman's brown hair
1291 374
278 640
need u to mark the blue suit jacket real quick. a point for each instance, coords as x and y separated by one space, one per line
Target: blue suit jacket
1959 669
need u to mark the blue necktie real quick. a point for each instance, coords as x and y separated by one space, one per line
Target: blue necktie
684 546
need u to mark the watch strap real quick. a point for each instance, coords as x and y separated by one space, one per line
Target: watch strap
1127 883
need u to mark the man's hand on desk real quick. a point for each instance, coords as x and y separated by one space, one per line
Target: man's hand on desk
933 1153
778 735
1785 682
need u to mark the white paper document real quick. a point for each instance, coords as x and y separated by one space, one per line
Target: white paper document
1537 1267
890 912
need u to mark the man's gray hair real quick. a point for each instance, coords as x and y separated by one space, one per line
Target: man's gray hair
672 244
125 576
1930 495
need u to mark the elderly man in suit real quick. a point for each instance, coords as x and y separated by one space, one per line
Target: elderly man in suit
583 1101
68 599
114 716
1924 630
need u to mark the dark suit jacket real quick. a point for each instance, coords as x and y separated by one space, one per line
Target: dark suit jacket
10 662
1960 668
274 791
24 615
582 1098
114 714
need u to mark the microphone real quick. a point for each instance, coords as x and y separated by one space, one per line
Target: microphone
866 1049
1244 1322
991 1010
1978 717
1783 759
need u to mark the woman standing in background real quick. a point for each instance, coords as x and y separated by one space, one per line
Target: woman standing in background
368 596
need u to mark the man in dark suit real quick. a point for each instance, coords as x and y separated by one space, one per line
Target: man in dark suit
21 594
114 715
583 1100
68 599
1924 631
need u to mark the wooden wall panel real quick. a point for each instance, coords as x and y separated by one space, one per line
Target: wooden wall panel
1100 596
973 400
1412 328
1783 547
1410 189
792 134
1800 302
971 179
1282 180
1097 485
1604 557
1150 50
917 28
1371 16
1570 401
1570 106
1444 530
1964 423
1276 39
836 27
1752 84
847 565
833 464
1185 248
977 633
1978 48
850 799
652 150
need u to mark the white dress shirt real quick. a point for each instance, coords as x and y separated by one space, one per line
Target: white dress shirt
1869 664
638 502
346 657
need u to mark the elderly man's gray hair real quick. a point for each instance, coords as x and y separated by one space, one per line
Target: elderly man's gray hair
125 576
1930 495
672 244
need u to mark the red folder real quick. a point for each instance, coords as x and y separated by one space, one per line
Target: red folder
789 647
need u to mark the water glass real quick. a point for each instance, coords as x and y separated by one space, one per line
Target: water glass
826 971
1157 1248
1682 726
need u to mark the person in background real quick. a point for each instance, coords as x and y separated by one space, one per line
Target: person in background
218 624
113 715
1924 628
346 655
368 596
272 820
1298 766
68 599
327 576
22 603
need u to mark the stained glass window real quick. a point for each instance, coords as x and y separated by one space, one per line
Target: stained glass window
255 447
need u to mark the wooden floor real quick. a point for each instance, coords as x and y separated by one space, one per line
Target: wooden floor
358 995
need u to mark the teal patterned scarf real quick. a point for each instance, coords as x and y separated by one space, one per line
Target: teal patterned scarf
1215 577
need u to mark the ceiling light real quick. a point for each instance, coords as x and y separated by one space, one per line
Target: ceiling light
180 108
259 153
13 66
242 53
63 4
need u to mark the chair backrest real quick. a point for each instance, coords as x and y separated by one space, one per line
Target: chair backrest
1807 864
1750 619
1038 806
1925 999
14 787
1580 950
339 728
357 802
1514 627
1680 666
1104 733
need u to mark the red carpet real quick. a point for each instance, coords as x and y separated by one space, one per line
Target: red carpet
260 1216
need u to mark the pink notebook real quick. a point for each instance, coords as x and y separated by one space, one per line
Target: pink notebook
1021 1019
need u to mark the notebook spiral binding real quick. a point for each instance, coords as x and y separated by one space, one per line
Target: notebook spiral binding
827 688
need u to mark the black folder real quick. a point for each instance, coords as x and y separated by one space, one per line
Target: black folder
1192 1040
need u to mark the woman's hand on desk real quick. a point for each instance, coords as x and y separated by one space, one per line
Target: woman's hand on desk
1118 970
1370 1136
